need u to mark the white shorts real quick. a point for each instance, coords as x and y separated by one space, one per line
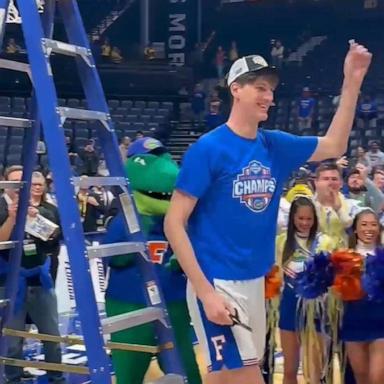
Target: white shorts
234 346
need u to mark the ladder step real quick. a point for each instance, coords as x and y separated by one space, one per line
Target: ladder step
7 245
76 340
114 249
86 182
170 379
15 66
45 366
82 114
64 48
15 122
131 319
4 303
11 184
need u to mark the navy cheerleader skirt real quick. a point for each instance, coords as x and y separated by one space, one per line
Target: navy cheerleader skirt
289 319
288 304
363 320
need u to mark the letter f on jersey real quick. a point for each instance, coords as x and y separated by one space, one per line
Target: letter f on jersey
218 343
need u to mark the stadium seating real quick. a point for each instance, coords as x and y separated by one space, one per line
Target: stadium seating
151 117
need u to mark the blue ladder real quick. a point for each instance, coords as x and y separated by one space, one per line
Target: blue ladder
50 117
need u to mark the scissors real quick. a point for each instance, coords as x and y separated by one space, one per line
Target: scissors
236 321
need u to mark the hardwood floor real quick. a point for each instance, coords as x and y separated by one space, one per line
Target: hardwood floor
155 372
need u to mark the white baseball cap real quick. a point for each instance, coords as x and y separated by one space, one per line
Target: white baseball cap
246 64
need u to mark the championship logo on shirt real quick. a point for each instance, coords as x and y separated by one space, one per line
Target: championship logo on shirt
255 186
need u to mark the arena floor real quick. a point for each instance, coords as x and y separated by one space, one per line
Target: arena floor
69 324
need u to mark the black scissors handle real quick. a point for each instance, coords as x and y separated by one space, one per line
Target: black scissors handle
236 321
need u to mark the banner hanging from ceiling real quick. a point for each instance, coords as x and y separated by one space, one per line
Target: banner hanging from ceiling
181 30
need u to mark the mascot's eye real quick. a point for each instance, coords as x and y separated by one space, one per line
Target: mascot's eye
140 160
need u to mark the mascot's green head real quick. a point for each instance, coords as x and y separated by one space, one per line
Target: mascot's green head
152 174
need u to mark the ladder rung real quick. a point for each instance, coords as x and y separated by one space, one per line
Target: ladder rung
15 122
170 379
114 249
11 184
4 303
131 319
139 348
15 66
7 245
76 340
69 340
45 366
86 182
82 114
65 48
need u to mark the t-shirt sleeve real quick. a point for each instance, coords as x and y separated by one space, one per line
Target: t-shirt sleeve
291 151
195 175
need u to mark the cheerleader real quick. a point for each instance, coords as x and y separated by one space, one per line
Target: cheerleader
362 327
301 240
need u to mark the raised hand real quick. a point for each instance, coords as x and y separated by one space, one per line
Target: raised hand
342 162
363 170
32 211
12 209
357 62
335 201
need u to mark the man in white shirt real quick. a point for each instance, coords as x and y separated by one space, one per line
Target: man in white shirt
277 54
335 212
375 155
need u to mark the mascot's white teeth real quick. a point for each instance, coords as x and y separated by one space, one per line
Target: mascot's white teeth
157 195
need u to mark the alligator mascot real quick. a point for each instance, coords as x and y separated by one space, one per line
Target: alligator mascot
152 174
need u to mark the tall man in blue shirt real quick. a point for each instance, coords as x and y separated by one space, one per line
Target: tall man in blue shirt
223 214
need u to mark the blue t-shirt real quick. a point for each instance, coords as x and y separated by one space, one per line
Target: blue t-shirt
238 183
198 102
367 109
306 106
